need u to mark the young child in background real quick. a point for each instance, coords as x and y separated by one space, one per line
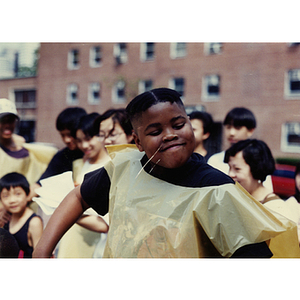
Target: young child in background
202 123
80 241
24 224
239 124
163 199
114 126
250 162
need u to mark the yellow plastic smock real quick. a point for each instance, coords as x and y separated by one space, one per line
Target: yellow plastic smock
152 218
32 166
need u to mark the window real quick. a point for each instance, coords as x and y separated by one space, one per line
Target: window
145 85
95 56
292 85
119 92
25 98
147 51
72 94
26 129
290 137
94 93
120 53
178 50
211 87
212 48
73 59
177 84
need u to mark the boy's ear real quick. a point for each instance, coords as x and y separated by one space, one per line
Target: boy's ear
206 135
250 132
137 141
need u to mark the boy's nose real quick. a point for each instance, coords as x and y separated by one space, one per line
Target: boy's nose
169 136
231 174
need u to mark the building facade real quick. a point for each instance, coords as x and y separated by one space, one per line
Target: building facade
215 77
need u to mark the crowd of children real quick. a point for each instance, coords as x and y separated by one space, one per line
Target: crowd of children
145 185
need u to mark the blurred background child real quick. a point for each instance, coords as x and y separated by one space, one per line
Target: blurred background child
24 224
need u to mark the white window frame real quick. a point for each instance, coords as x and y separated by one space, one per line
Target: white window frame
177 50
206 82
286 129
213 48
144 50
94 87
72 88
120 53
71 60
94 56
289 94
120 84
143 85
174 86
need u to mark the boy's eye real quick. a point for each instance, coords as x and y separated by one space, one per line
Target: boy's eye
155 132
179 126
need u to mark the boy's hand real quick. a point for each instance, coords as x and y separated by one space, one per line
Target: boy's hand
4 216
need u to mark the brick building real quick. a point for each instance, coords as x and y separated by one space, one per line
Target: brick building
264 77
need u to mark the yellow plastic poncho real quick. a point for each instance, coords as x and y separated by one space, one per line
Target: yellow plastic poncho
152 218
32 166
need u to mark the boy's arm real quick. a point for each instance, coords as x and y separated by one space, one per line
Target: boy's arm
35 230
94 223
65 215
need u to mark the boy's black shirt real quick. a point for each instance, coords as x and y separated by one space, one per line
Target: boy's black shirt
61 162
195 173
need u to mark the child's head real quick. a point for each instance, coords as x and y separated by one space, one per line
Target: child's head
161 127
297 182
9 247
202 123
239 124
8 118
14 189
114 126
66 124
87 138
249 159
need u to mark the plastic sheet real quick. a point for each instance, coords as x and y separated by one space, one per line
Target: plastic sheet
152 218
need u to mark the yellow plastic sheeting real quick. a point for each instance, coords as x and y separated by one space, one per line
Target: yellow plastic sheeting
152 218
32 166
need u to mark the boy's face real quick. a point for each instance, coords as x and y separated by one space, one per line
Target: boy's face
90 146
7 126
240 171
200 136
14 200
68 139
165 129
114 133
235 134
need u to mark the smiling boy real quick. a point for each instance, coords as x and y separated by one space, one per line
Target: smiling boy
164 200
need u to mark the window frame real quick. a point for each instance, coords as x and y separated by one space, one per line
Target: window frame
205 84
91 90
120 54
173 85
289 95
73 64
176 51
209 48
285 145
94 56
115 94
26 104
69 99
144 51
142 85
